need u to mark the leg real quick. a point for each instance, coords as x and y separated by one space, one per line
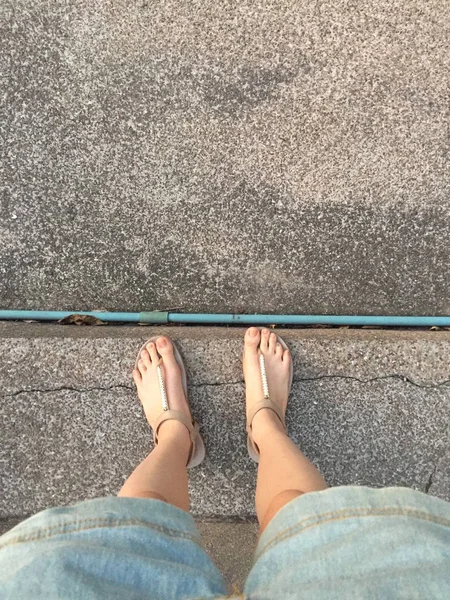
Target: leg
284 471
162 475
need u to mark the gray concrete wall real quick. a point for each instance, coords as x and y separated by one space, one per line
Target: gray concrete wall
284 156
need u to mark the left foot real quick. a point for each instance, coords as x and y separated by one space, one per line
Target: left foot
146 379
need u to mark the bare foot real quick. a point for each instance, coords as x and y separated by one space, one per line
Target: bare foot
147 383
277 361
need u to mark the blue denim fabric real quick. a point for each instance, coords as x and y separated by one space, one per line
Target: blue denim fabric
355 542
107 548
348 542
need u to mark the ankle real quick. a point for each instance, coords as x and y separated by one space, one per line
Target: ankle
266 424
174 433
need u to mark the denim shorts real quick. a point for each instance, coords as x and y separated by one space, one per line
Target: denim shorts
345 542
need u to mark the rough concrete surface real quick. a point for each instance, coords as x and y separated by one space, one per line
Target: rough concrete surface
278 156
368 407
8 523
231 547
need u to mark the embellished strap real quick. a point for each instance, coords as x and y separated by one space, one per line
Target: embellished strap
174 415
162 388
262 368
265 403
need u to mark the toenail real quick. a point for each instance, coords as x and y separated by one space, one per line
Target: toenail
162 341
253 331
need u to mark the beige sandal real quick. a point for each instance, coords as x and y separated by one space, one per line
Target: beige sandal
197 451
265 403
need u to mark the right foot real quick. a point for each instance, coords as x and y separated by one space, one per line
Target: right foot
146 379
277 362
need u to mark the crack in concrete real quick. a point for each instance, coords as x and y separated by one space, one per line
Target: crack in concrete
429 482
402 378
66 389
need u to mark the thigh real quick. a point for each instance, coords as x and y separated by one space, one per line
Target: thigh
108 548
355 542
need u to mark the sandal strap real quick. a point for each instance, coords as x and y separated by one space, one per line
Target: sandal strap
192 426
177 415
265 403
162 388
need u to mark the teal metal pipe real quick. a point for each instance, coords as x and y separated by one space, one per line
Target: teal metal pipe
57 315
360 320
164 317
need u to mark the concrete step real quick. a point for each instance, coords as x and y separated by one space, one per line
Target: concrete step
369 407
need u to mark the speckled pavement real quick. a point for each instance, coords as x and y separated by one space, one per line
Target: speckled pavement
271 156
368 407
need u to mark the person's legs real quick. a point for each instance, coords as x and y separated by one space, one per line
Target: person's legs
162 475
284 471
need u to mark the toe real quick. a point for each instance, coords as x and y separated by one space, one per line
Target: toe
141 366
166 350
265 334
286 356
146 358
153 352
137 377
165 346
279 350
252 338
272 343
